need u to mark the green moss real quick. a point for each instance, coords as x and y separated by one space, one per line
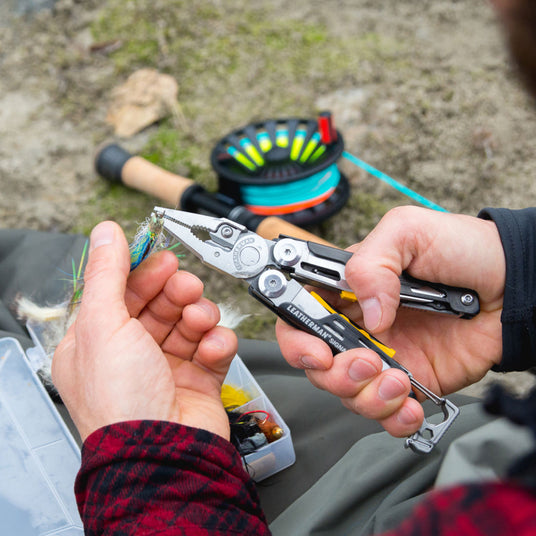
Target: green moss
202 40
239 61
234 63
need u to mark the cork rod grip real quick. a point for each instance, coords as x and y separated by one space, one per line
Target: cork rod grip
144 176
272 226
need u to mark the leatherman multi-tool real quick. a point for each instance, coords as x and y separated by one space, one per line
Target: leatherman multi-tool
275 271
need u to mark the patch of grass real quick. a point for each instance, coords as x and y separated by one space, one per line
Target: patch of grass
172 150
250 51
235 63
114 202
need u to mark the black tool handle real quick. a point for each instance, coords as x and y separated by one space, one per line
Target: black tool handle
437 297
310 313
415 293
339 333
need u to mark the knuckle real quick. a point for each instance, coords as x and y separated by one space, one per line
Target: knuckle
396 214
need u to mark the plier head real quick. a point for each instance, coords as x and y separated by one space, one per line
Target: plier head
222 244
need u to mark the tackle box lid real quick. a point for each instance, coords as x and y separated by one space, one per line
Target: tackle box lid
39 458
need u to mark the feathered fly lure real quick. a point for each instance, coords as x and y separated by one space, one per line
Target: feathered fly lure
148 239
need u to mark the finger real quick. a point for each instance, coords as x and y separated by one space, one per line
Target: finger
403 235
302 350
381 397
103 307
216 350
357 378
350 372
200 317
148 279
406 420
213 353
161 314
197 319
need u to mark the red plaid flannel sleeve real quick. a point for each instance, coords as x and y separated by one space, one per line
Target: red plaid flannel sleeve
486 509
152 477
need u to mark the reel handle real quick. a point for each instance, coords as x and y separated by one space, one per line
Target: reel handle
117 165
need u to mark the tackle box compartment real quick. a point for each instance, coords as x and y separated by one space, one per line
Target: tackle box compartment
39 457
275 456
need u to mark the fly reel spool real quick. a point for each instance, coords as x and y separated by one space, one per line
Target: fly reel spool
285 168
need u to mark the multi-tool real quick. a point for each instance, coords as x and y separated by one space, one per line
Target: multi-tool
276 270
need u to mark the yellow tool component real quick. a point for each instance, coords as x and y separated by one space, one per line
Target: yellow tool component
347 295
389 351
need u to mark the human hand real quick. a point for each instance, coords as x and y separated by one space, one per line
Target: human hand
442 352
144 345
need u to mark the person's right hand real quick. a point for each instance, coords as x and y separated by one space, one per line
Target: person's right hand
443 352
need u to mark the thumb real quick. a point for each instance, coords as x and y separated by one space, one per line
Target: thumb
378 292
374 269
103 300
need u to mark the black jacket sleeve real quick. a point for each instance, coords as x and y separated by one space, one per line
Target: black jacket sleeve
517 229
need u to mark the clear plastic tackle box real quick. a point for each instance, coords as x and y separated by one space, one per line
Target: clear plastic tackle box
39 458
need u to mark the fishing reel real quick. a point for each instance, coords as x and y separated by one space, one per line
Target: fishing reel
285 168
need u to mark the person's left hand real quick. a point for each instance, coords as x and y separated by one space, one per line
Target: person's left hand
144 345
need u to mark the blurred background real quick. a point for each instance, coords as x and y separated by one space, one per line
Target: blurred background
423 91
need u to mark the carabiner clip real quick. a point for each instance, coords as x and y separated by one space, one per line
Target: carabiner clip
424 440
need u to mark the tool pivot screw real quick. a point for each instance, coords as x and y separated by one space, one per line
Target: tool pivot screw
285 253
227 232
467 299
272 283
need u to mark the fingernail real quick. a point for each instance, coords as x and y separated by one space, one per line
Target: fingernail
310 362
372 313
102 235
361 370
206 308
216 342
390 388
406 417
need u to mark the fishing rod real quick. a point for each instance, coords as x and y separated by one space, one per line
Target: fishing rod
117 165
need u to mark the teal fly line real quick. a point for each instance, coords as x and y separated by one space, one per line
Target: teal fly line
309 189
392 182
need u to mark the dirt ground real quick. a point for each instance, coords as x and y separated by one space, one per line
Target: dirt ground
423 91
